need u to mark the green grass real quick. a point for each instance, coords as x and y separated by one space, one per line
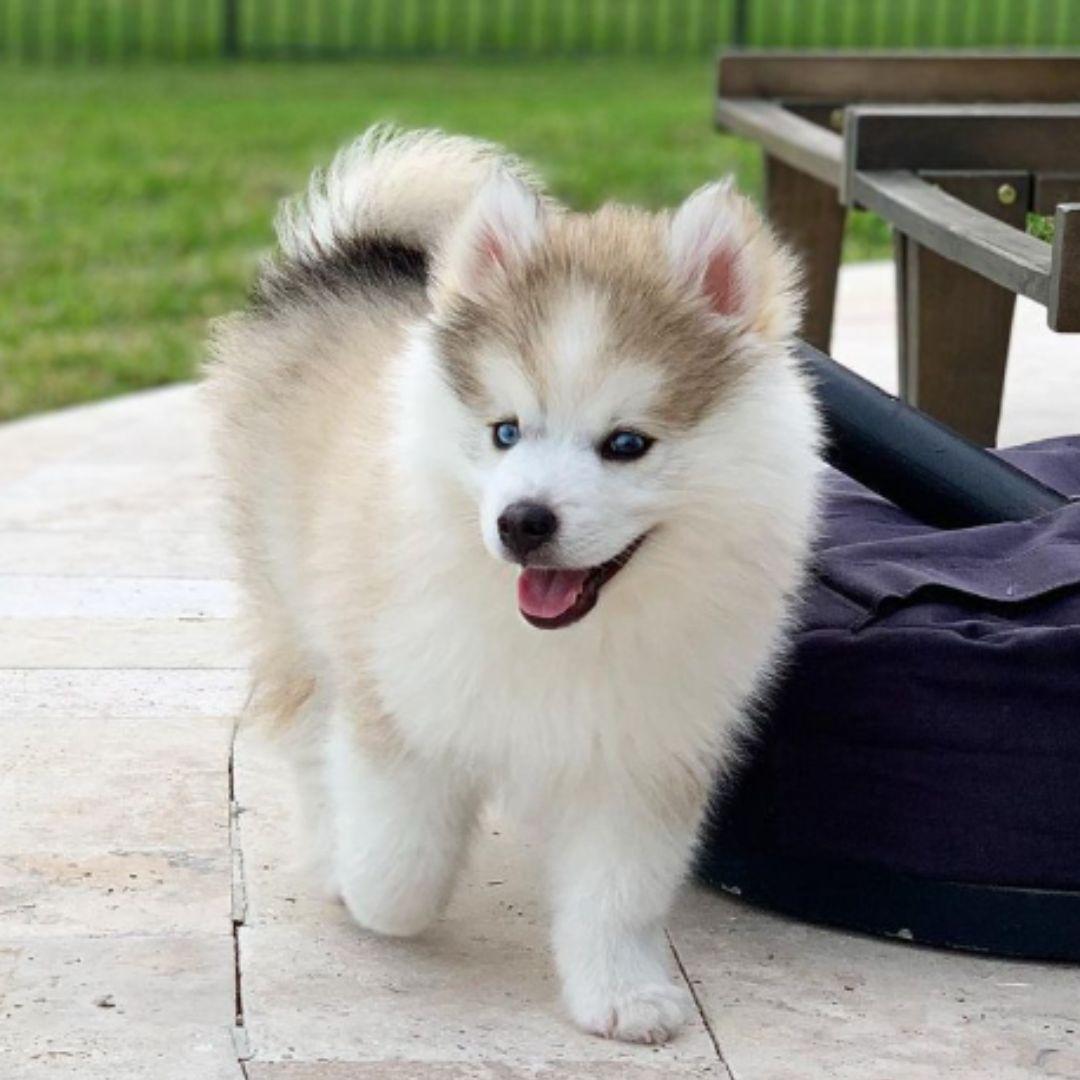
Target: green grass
134 203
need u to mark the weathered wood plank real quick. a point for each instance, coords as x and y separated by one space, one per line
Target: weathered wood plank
797 142
1001 137
807 216
947 225
1053 189
954 368
1064 306
882 77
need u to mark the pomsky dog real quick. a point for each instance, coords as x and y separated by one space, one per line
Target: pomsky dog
523 498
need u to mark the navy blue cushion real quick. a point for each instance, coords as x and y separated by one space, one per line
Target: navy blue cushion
929 719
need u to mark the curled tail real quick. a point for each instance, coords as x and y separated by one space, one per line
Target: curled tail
379 212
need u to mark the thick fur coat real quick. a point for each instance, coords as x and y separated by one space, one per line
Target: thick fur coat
522 499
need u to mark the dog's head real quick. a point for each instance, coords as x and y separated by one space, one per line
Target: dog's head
585 360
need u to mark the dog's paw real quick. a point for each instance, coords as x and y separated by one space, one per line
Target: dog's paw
651 1013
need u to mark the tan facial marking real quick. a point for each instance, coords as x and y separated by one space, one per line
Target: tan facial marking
619 255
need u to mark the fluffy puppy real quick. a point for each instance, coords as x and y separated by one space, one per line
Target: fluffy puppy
522 498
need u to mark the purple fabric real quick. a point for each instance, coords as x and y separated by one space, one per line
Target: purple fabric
930 719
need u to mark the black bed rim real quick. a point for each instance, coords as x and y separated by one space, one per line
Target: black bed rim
1030 924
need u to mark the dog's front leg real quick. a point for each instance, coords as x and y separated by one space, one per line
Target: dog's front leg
402 828
617 865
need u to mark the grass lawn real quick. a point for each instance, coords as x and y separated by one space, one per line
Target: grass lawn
135 202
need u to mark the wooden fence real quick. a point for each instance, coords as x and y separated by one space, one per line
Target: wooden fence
73 31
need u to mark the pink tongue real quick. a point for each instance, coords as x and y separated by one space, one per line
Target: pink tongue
547 594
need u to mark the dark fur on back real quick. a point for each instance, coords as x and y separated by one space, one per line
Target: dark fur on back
358 264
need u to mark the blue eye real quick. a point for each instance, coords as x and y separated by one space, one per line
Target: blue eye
625 446
505 434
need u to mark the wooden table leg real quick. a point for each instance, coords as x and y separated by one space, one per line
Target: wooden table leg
954 325
808 216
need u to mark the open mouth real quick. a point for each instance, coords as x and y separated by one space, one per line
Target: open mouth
551 598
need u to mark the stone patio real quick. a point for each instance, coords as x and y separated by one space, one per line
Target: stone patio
151 925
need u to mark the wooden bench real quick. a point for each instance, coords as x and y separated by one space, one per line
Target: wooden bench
953 150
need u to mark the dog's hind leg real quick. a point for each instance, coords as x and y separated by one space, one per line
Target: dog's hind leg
304 744
402 828
292 707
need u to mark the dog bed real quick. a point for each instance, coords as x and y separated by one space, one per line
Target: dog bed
917 773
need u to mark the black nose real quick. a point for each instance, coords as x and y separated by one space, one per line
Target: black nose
525 526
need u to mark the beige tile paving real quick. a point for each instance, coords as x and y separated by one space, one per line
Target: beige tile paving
183 642
116 869
114 826
118 1007
794 1002
30 444
121 781
114 889
458 1070
90 552
120 693
143 498
130 885
32 596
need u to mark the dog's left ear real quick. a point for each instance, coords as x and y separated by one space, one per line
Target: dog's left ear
504 222
722 250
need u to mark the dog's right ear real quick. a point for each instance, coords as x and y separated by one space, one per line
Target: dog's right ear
500 228
721 249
